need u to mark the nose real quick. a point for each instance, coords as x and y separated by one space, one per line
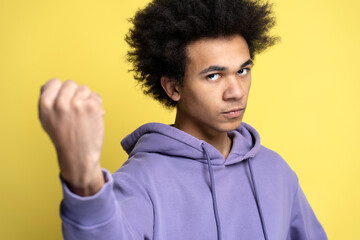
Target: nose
234 89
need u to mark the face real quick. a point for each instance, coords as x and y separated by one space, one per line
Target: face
214 93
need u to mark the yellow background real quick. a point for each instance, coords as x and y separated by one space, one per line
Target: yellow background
304 102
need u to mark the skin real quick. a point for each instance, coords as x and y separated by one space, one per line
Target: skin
72 116
213 97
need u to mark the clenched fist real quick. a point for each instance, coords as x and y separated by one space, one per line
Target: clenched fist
72 116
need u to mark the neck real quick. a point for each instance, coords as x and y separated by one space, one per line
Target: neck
220 140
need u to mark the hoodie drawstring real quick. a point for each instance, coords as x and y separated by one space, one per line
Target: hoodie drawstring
213 194
257 200
217 219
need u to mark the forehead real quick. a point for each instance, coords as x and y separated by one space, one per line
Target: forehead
222 51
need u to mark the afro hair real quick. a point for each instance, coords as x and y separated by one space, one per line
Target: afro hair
162 30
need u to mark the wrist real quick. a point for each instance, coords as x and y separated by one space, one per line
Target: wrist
89 187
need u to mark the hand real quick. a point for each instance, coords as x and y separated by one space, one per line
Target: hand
72 116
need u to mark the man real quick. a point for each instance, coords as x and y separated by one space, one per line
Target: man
204 177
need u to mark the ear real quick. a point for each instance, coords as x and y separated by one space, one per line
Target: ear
171 88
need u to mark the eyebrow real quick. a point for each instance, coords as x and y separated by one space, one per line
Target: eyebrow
219 68
248 62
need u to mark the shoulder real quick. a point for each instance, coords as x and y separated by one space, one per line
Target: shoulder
141 166
272 159
273 167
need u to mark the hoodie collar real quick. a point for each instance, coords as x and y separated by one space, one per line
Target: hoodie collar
168 140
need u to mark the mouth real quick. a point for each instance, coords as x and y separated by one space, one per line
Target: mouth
233 113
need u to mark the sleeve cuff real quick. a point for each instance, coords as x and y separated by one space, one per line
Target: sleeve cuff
90 210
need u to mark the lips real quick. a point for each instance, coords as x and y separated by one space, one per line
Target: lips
233 113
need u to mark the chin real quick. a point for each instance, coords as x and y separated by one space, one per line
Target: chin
227 127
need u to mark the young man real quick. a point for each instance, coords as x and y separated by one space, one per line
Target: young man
204 177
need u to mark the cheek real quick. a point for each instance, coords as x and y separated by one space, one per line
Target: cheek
246 86
200 102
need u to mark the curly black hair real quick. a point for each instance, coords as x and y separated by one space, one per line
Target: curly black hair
162 30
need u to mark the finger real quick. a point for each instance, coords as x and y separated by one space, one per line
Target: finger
65 95
82 92
96 96
49 83
49 92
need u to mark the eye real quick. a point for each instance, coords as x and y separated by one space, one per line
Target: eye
213 76
243 71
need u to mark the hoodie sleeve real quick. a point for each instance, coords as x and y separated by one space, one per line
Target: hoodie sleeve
115 212
304 225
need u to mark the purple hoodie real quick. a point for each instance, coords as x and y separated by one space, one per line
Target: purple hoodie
175 186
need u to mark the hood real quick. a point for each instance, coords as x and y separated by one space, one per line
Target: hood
168 140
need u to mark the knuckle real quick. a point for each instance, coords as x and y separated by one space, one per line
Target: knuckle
82 92
61 105
49 83
54 81
77 104
70 82
84 87
45 102
93 106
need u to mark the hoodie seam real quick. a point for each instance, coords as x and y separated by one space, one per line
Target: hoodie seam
293 206
295 195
